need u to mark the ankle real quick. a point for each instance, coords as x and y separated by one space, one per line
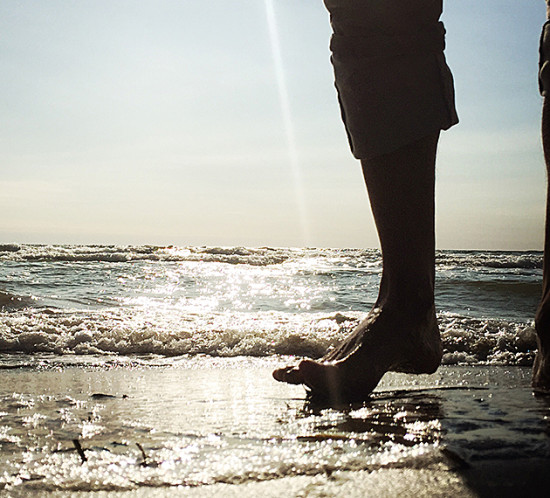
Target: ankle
412 305
407 292
542 322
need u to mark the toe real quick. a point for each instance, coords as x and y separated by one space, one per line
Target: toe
290 375
321 378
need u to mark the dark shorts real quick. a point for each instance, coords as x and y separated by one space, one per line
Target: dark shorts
394 86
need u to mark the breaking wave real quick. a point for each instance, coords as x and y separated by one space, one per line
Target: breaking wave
527 260
9 301
239 301
466 340
261 256
120 254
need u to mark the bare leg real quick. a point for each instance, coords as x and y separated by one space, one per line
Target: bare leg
541 369
400 333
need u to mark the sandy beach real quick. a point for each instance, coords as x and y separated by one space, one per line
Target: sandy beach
222 427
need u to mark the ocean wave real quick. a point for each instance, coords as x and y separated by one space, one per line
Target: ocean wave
9 301
259 256
529 260
9 248
465 340
469 340
216 335
121 254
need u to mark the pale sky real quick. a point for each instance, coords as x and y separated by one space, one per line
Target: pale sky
166 122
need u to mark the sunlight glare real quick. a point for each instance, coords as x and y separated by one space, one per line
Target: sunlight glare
287 119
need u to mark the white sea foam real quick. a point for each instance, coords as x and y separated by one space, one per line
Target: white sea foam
256 256
231 301
120 254
210 317
465 340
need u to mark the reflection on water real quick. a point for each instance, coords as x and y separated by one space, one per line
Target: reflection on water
235 301
206 421
402 418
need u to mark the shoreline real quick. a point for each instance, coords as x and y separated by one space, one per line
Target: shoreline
223 424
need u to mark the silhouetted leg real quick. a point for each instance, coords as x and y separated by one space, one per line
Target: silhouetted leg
400 333
541 370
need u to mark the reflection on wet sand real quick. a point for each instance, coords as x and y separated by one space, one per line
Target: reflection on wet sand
202 424
406 418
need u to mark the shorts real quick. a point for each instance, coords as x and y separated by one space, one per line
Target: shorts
394 86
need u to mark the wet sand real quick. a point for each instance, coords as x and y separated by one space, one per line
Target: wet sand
223 427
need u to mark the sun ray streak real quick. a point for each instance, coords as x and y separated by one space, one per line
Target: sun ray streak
288 124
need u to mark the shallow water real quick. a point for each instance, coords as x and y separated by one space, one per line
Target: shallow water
158 361
206 421
258 302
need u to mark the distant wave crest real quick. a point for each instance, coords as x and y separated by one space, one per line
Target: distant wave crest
529 260
260 256
121 254
9 248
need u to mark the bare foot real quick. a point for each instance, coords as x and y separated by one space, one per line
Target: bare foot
387 340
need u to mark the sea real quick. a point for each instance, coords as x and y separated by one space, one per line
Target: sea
147 369
151 302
